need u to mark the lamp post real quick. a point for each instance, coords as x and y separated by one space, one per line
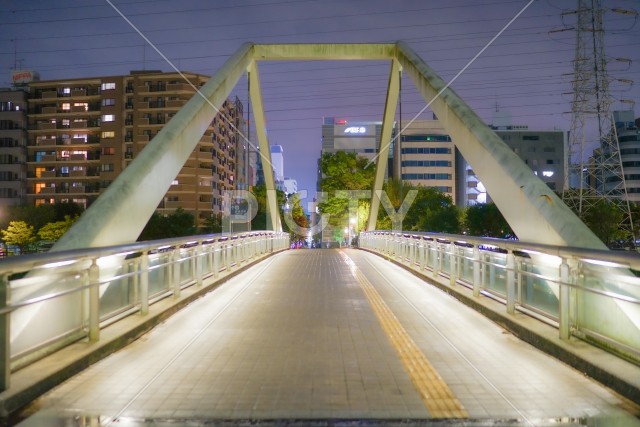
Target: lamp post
352 226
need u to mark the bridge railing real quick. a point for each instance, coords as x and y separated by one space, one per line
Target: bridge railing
50 300
590 294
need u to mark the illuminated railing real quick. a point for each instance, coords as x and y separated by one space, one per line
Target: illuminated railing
50 300
590 294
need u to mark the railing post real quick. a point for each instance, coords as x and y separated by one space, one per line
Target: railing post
5 330
476 271
215 265
564 319
94 301
144 283
227 257
511 283
437 262
198 264
175 276
452 264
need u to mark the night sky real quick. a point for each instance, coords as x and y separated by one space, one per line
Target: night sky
526 71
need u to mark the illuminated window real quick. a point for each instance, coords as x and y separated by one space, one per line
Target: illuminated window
66 90
83 105
108 134
108 101
66 106
109 151
108 117
547 173
108 86
65 123
40 202
39 187
39 172
80 136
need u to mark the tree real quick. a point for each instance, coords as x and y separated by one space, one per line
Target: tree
485 219
19 233
604 220
431 210
63 210
259 221
296 211
212 224
54 230
179 223
36 216
342 171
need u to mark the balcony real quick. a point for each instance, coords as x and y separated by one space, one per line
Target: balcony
82 124
142 105
52 94
143 121
205 206
179 87
175 103
77 189
79 92
48 174
77 157
49 110
48 158
47 190
46 126
78 173
182 188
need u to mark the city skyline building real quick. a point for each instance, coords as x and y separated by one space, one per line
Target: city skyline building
83 132
13 146
427 156
277 162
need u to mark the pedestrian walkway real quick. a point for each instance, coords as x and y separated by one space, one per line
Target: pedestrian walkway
330 337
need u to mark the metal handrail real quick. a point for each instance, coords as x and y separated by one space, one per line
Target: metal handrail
50 300
587 293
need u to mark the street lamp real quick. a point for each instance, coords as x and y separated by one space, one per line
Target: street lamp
353 226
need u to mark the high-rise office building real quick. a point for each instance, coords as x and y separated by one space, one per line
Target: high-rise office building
277 162
544 151
84 132
628 135
427 156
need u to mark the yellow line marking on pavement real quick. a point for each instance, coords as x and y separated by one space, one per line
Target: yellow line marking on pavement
436 395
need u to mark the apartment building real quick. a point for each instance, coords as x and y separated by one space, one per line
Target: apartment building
13 146
84 132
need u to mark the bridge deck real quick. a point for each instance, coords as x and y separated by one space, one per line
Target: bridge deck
328 334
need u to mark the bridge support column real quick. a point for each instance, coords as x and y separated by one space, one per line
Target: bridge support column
93 278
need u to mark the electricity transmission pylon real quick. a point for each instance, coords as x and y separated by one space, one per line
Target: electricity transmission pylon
595 176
